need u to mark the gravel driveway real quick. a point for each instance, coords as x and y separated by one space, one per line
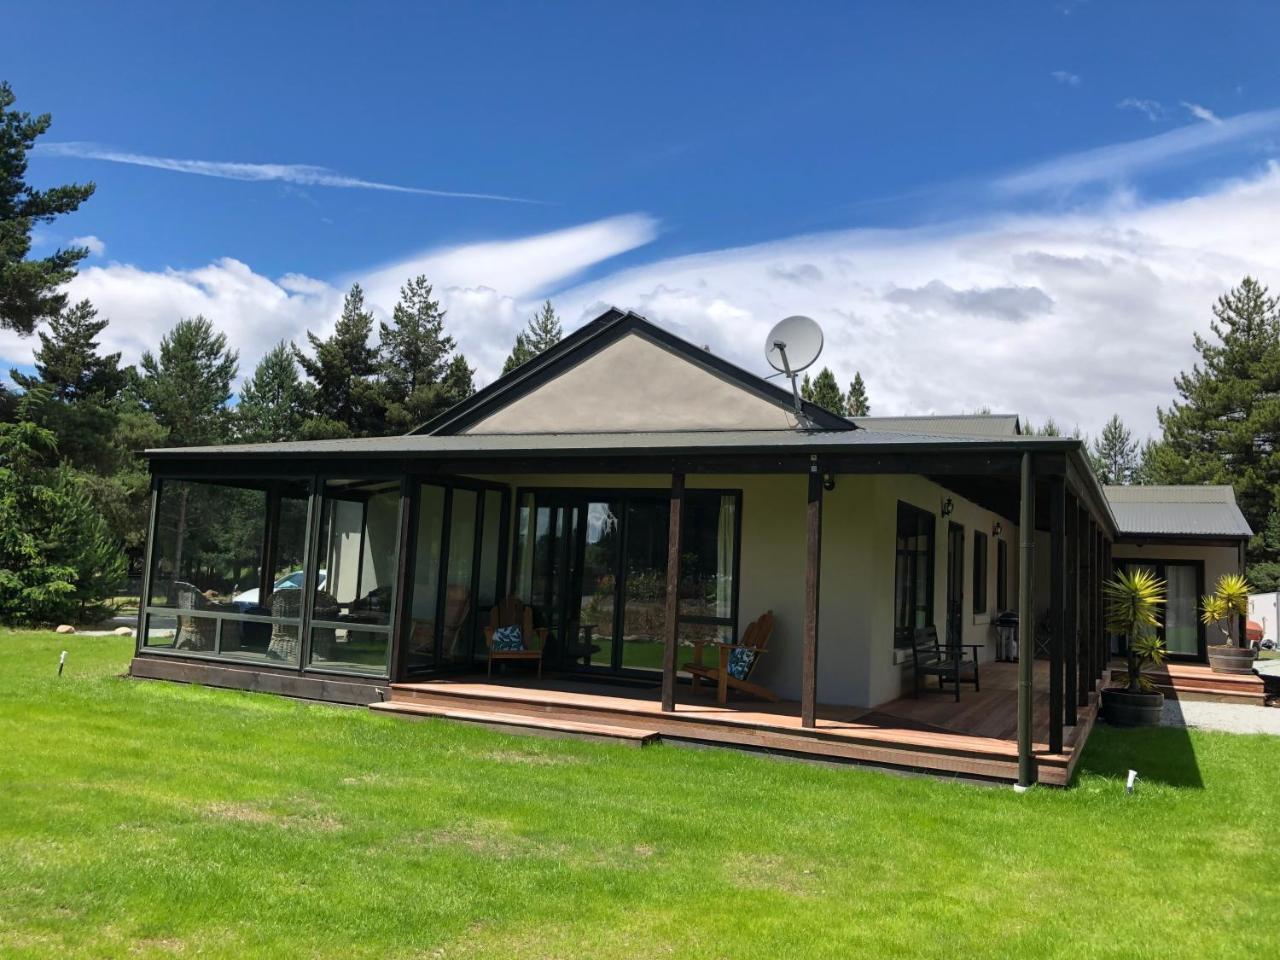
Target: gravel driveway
1228 717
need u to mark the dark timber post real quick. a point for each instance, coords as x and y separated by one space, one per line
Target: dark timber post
1104 639
812 568
673 594
1026 619
1071 621
1083 605
1098 660
1057 611
403 587
148 550
1242 622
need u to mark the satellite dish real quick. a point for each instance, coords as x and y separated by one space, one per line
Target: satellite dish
793 344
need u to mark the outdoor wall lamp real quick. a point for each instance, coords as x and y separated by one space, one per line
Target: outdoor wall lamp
997 528
828 482
948 505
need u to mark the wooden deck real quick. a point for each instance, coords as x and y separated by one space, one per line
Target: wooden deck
1197 681
975 738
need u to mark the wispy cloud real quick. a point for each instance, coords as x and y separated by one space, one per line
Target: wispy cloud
91 243
1154 109
1067 78
1201 113
1116 161
296 173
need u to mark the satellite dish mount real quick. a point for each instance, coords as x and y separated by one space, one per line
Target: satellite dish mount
793 345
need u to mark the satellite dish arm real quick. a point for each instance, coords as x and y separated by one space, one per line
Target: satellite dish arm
795 393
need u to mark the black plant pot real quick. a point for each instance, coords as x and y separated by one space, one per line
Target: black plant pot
1124 709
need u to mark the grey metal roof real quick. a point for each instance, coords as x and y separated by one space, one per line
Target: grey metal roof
726 441
1190 511
971 424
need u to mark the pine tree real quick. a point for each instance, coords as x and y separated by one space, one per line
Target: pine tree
417 360
30 290
188 385
273 402
856 403
1225 425
1050 429
823 390
344 397
1115 454
543 331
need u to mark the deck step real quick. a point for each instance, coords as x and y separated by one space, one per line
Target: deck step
523 723
1210 688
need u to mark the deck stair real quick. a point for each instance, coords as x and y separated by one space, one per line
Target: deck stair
628 719
1197 682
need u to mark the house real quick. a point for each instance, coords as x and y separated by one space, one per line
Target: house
642 494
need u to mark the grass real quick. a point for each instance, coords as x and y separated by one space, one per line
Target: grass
152 820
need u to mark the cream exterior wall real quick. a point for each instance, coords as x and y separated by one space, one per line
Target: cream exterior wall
636 384
857 664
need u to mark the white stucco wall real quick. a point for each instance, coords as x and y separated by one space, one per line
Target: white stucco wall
856 659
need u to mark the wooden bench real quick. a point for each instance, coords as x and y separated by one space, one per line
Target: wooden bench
947 663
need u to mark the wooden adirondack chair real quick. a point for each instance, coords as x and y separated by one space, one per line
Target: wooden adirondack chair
754 643
512 613
946 663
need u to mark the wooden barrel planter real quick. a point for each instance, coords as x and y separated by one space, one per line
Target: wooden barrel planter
1124 709
1231 659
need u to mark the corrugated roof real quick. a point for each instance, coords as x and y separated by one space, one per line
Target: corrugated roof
971 425
727 441
1191 511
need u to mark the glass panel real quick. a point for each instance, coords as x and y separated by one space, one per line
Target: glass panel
160 631
357 547
644 606
913 593
546 533
707 533
1181 626
289 547
599 582
426 579
275 643
489 574
208 546
457 628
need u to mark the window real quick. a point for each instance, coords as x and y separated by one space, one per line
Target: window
226 569
913 584
1002 575
979 572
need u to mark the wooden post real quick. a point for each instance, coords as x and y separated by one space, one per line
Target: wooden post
1104 567
1026 619
1099 662
812 570
403 591
673 594
1057 611
1083 606
1071 623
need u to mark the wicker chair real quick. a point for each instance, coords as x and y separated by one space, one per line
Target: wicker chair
285 639
194 633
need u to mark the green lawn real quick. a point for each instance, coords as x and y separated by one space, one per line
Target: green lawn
150 819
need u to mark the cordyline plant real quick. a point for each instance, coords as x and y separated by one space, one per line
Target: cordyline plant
1134 598
1230 597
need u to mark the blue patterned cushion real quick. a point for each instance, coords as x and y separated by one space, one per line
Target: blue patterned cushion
507 638
740 660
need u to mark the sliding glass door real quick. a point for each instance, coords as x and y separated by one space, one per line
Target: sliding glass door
1184 583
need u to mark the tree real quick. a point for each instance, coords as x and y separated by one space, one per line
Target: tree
543 331
30 290
856 403
1224 427
823 390
344 396
188 385
58 559
1115 454
273 402
422 376
1050 429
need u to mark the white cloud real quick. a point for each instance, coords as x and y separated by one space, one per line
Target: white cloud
91 243
1202 113
1066 78
294 173
1154 109
1113 163
1104 302
489 290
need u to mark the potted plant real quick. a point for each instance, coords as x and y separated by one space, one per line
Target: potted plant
1229 601
1133 600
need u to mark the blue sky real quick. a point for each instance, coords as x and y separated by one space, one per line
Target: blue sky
655 138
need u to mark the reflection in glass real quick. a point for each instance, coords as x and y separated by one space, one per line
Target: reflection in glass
458 630
645 590
426 578
599 574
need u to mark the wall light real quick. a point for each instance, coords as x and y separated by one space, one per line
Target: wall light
828 482
997 528
948 505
